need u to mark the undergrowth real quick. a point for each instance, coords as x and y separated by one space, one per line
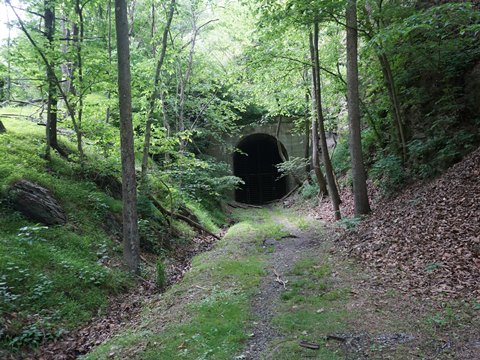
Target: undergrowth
209 311
52 278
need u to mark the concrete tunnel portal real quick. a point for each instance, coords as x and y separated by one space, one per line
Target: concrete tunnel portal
255 163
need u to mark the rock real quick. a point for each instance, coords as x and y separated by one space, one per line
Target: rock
37 203
2 128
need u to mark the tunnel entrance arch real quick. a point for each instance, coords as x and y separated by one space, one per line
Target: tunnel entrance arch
255 164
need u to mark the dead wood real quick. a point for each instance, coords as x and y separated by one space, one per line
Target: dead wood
336 337
290 193
37 203
309 345
279 280
178 216
235 204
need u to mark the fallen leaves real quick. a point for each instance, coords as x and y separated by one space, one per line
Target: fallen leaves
426 241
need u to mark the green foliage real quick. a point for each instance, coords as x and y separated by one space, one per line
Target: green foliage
341 156
389 173
54 278
309 189
202 180
350 223
294 166
208 312
432 155
161 276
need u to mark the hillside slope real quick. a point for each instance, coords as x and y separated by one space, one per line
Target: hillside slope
52 278
427 240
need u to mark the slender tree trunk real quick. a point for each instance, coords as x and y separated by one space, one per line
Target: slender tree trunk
307 134
388 78
156 92
50 73
360 193
184 82
66 66
153 29
9 62
322 184
131 251
52 97
330 177
78 38
109 49
394 101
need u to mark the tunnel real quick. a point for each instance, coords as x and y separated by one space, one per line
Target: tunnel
255 164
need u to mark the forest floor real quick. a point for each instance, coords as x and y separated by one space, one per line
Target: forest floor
277 287
285 282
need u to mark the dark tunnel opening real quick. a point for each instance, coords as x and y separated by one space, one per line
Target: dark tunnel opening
255 165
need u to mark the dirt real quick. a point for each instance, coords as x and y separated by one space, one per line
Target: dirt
282 255
391 324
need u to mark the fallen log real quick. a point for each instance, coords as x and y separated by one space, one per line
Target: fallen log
309 345
235 204
290 192
37 203
184 218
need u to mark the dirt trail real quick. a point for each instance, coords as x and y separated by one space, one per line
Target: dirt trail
381 323
284 253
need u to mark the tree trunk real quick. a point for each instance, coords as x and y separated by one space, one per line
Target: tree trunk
2 128
330 177
360 193
322 184
131 251
388 79
307 134
394 101
280 150
51 77
109 50
155 92
8 94
78 39
52 98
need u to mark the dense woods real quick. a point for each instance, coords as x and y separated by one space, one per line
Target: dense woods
121 104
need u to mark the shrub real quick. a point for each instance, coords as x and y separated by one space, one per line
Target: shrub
161 275
388 171
309 190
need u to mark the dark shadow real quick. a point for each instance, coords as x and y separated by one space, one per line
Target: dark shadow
255 165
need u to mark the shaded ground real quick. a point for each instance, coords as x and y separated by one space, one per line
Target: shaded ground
412 291
283 254
427 240
347 312
123 310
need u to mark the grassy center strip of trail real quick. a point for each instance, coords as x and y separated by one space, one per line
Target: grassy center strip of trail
208 314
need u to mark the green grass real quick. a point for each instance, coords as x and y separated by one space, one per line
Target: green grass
311 308
207 315
52 278
258 224
203 216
